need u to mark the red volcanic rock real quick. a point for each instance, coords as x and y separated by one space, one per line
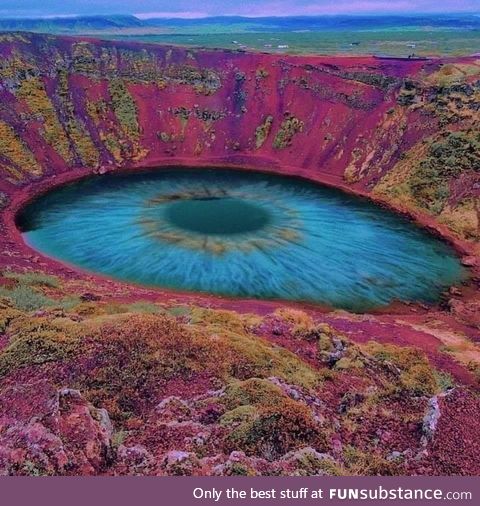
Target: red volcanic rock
468 312
180 463
69 436
84 429
339 100
31 449
134 460
455 443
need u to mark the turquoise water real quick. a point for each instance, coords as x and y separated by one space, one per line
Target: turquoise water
241 234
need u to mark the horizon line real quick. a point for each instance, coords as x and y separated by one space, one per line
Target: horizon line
178 16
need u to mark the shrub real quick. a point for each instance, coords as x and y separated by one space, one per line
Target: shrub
444 380
346 363
419 379
253 357
37 341
124 107
253 391
303 326
360 463
308 462
68 303
266 421
144 307
33 91
447 158
289 128
131 356
276 430
223 319
414 373
26 298
179 311
474 368
7 314
263 131
241 414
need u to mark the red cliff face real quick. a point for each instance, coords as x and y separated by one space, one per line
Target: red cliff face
74 103
71 107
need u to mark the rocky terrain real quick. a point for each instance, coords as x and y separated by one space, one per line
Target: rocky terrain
101 377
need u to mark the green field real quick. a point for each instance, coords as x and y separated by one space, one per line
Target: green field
380 42
399 35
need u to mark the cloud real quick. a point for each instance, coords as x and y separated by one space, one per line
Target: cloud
339 7
291 8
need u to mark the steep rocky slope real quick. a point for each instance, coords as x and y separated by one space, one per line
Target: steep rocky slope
87 386
80 103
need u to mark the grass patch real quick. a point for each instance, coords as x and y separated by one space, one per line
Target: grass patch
33 278
26 298
124 107
366 463
415 375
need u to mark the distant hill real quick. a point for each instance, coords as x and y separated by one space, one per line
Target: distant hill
321 23
238 24
71 24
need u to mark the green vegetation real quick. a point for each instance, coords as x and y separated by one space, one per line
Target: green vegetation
26 298
33 92
262 132
444 380
74 127
261 73
255 397
84 60
447 158
7 313
17 152
366 463
164 136
26 292
415 374
267 422
395 42
125 108
36 342
33 278
203 80
289 128
143 306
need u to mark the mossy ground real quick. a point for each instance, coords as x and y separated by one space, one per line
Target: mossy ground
231 378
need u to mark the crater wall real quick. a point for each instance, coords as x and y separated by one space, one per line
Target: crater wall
70 103
73 106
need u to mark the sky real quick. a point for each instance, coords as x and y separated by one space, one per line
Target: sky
203 8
